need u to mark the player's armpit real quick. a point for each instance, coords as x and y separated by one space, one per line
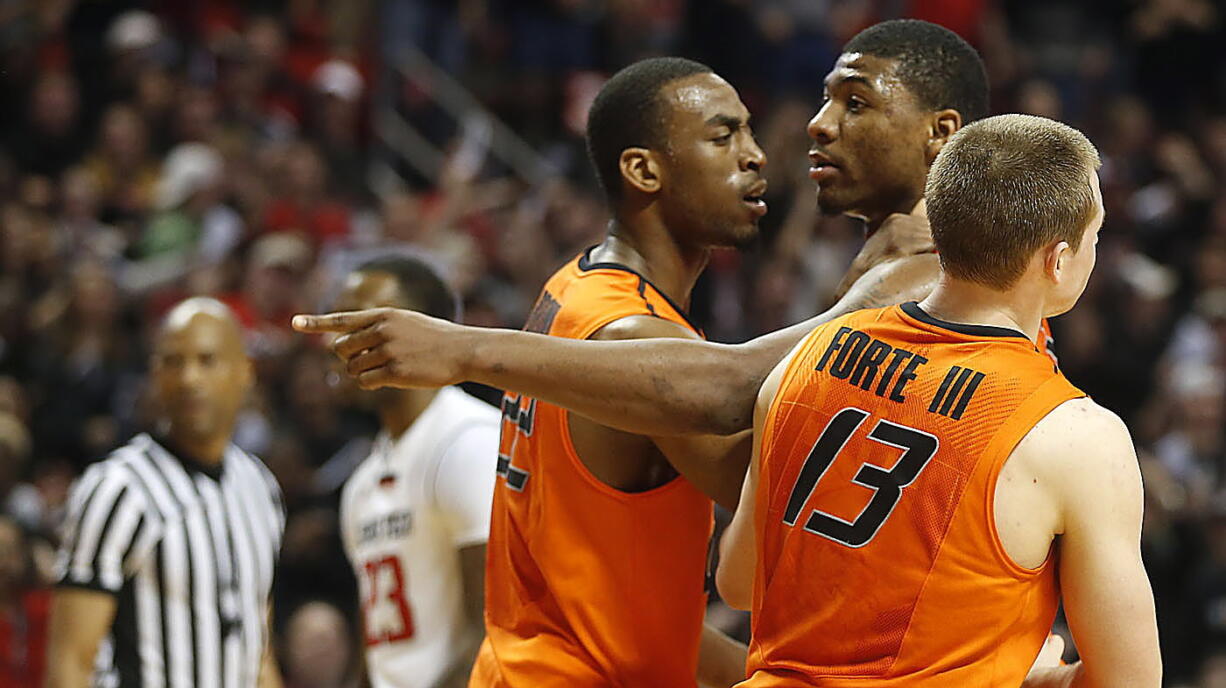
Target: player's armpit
80 619
1107 596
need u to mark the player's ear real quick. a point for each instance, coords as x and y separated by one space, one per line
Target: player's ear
944 124
1055 260
640 169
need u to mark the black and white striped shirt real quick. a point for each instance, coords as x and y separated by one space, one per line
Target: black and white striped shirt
189 554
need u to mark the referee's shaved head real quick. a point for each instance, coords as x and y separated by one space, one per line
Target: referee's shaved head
201 375
185 312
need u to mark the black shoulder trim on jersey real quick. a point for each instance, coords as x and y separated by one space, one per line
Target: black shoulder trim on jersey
913 309
585 264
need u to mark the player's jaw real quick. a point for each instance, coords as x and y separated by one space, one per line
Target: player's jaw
838 189
740 232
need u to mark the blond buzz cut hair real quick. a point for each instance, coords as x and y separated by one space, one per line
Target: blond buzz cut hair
1005 187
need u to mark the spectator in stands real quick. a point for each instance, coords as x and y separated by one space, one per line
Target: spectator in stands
336 105
306 202
121 166
53 136
25 607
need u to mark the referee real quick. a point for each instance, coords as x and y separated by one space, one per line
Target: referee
171 542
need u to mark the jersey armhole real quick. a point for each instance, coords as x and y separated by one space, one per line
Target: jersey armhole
799 353
1045 399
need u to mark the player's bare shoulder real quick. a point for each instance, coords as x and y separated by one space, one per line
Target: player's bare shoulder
1078 436
1079 451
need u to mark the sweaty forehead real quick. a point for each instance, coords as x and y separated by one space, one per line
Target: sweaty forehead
702 96
876 73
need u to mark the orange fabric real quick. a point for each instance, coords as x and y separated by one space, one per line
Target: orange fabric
1047 342
929 598
586 585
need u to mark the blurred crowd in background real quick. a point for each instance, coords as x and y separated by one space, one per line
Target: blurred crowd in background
155 150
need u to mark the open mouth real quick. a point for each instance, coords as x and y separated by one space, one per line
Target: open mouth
754 198
821 168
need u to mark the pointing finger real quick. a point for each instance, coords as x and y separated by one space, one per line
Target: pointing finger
336 322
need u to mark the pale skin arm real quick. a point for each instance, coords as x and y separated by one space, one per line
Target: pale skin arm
1107 596
472 570
738 550
80 619
655 387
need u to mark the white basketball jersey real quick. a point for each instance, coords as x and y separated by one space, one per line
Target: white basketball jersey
405 514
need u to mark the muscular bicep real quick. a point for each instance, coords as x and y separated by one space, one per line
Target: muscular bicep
714 464
1107 596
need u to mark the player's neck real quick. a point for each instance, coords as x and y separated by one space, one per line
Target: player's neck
650 250
874 219
403 409
968 303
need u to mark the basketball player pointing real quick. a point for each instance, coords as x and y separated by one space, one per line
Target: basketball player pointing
985 485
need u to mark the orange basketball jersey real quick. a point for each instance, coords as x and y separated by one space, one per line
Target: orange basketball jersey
1047 341
587 585
878 552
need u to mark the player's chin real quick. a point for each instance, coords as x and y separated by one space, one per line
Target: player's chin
834 201
740 236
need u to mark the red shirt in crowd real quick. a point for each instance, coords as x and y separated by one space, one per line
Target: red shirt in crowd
23 641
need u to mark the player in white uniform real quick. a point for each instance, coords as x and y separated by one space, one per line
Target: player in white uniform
415 514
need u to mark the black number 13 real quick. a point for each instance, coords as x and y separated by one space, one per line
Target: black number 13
918 449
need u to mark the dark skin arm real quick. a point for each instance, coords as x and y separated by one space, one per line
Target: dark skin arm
658 387
633 463
472 569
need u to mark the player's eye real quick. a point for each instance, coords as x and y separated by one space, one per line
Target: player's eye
855 104
722 140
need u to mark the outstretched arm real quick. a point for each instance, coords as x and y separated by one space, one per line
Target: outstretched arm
654 387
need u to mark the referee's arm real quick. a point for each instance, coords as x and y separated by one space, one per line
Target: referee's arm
99 537
270 673
80 619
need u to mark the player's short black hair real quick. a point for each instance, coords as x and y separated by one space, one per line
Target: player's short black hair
421 286
627 113
940 68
